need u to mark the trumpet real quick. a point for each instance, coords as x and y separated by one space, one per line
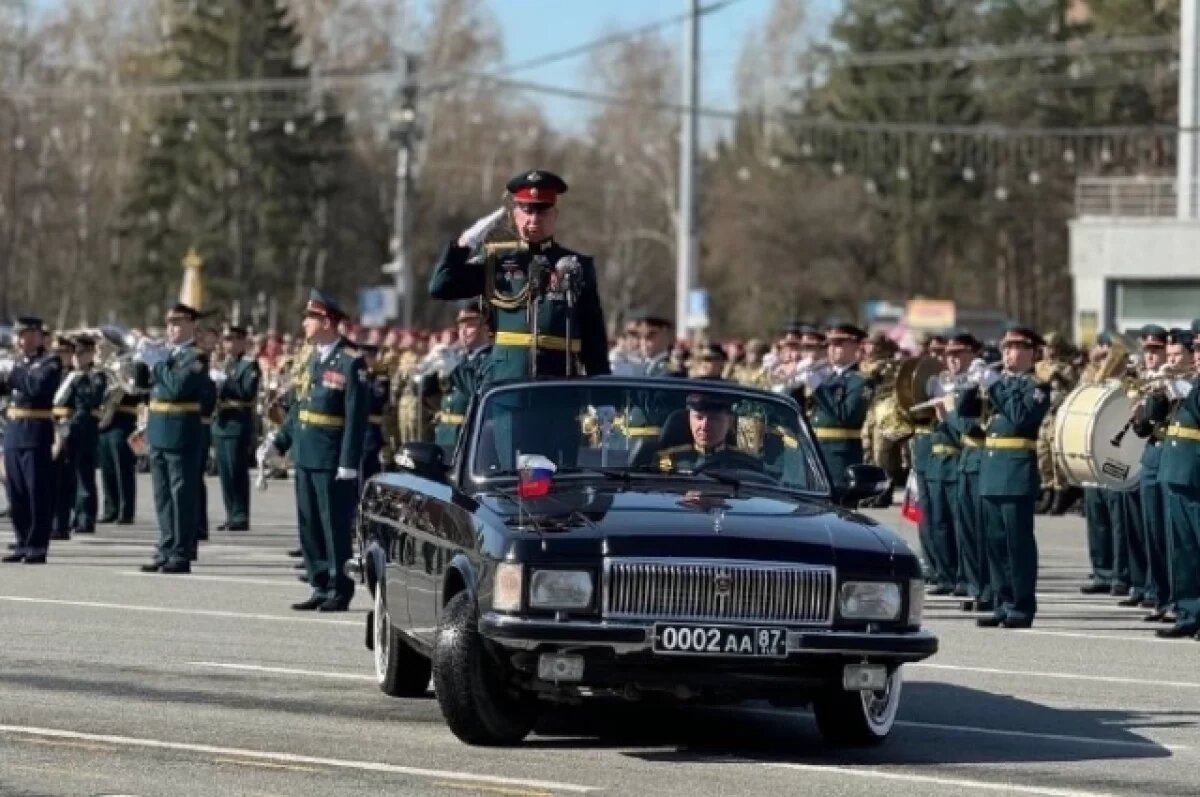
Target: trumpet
1161 382
950 384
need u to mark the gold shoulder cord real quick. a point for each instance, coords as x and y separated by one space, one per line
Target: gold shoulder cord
491 252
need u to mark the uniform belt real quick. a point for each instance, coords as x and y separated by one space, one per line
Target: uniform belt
321 419
62 412
971 442
128 410
22 414
919 432
942 450
1011 443
552 342
231 404
451 418
175 407
643 431
1181 432
375 419
829 433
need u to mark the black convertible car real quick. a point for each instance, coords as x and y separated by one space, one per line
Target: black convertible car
623 538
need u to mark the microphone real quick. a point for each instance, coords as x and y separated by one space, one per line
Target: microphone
567 270
538 274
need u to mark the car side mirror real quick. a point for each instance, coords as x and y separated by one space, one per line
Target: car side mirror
427 460
865 481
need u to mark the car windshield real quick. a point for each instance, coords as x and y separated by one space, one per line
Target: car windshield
647 427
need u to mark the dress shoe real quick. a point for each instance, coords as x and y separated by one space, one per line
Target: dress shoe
237 527
1118 591
310 605
990 622
985 606
38 559
1169 617
85 531
177 568
60 535
1155 616
960 592
13 557
1131 602
939 590
967 606
1013 622
295 553
335 604
12 546
1148 603
153 567
298 566
1096 588
1178 631
303 579
223 527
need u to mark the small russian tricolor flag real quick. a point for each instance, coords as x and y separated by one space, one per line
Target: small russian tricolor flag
534 475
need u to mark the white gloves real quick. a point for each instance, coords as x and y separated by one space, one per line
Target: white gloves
345 474
217 376
474 235
265 449
813 378
989 377
1179 388
152 355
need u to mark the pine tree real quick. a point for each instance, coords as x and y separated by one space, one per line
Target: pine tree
243 177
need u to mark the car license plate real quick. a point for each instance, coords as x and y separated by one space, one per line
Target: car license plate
720 640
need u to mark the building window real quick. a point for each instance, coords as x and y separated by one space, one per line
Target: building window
1166 303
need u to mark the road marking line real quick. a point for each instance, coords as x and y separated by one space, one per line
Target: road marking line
245 762
961 783
294 758
1067 676
290 582
341 676
937 726
449 784
277 618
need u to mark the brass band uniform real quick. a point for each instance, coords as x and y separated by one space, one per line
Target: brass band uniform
77 409
28 438
233 430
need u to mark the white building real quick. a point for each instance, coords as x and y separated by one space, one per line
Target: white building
1134 260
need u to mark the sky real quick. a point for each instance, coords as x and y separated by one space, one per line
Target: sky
531 27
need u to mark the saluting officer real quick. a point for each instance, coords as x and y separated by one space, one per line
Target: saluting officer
464 381
28 438
839 402
1009 482
540 292
325 429
180 389
82 398
233 431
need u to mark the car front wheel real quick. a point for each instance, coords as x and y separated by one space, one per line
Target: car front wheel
859 719
399 670
477 705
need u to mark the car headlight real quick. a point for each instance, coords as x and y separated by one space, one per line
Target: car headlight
916 601
506 596
869 600
560 589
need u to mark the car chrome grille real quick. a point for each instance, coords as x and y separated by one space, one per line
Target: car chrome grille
706 590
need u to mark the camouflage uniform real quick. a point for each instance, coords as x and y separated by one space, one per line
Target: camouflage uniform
880 445
1058 372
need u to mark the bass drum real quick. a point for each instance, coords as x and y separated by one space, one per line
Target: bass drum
1088 420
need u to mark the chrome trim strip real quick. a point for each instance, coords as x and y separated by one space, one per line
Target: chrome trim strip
677 590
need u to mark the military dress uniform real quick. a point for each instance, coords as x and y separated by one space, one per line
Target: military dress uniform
28 438
461 386
941 477
522 285
180 389
1106 551
82 403
1009 484
1060 374
118 477
1150 423
838 407
233 436
1179 473
324 432
63 469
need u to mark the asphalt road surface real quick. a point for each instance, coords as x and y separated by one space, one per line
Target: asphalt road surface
113 682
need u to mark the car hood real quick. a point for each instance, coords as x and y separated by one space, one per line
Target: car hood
649 521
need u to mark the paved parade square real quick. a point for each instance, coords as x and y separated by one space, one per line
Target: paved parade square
116 682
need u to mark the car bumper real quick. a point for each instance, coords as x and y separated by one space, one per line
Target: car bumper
520 633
